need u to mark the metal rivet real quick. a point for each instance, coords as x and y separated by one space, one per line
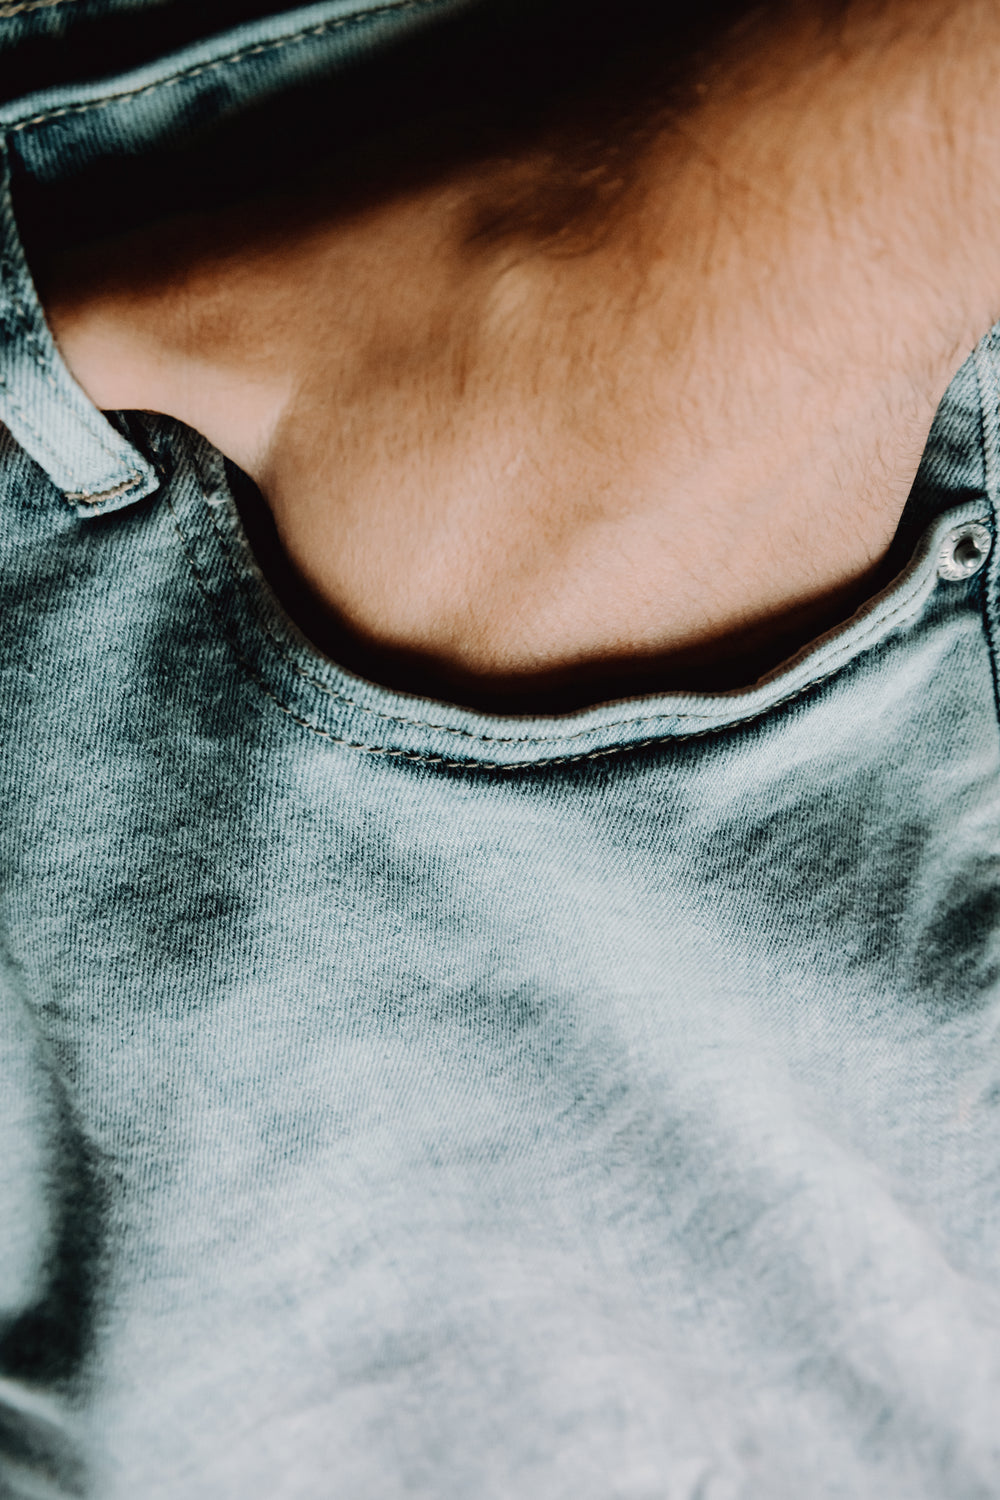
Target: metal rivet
963 551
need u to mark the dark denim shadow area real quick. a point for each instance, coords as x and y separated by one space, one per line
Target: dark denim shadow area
47 1348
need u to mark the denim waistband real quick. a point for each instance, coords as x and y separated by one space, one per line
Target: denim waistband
97 465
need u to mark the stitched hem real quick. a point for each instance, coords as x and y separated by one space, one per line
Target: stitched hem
666 737
340 23
989 401
662 716
12 273
90 497
23 5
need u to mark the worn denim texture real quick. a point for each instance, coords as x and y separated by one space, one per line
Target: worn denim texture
401 1101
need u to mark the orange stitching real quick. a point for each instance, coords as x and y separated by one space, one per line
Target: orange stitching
89 497
16 10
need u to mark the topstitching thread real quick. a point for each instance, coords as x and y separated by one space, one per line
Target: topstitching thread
340 697
275 45
989 401
94 497
389 753
90 497
870 637
23 5
41 356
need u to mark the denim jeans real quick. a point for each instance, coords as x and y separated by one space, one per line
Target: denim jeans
399 1100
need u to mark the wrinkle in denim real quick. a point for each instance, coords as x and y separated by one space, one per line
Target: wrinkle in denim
398 1100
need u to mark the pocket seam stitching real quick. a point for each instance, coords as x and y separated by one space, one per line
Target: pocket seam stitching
472 763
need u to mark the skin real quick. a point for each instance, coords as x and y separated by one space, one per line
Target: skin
530 481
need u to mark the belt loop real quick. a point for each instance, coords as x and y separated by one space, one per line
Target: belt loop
41 404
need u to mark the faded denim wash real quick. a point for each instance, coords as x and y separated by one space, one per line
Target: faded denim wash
397 1100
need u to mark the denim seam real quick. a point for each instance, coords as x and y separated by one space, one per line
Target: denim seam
443 761
94 497
989 403
89 497
23 5
495 739
340 23
9 273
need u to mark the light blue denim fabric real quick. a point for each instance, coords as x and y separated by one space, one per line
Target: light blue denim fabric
401 1101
